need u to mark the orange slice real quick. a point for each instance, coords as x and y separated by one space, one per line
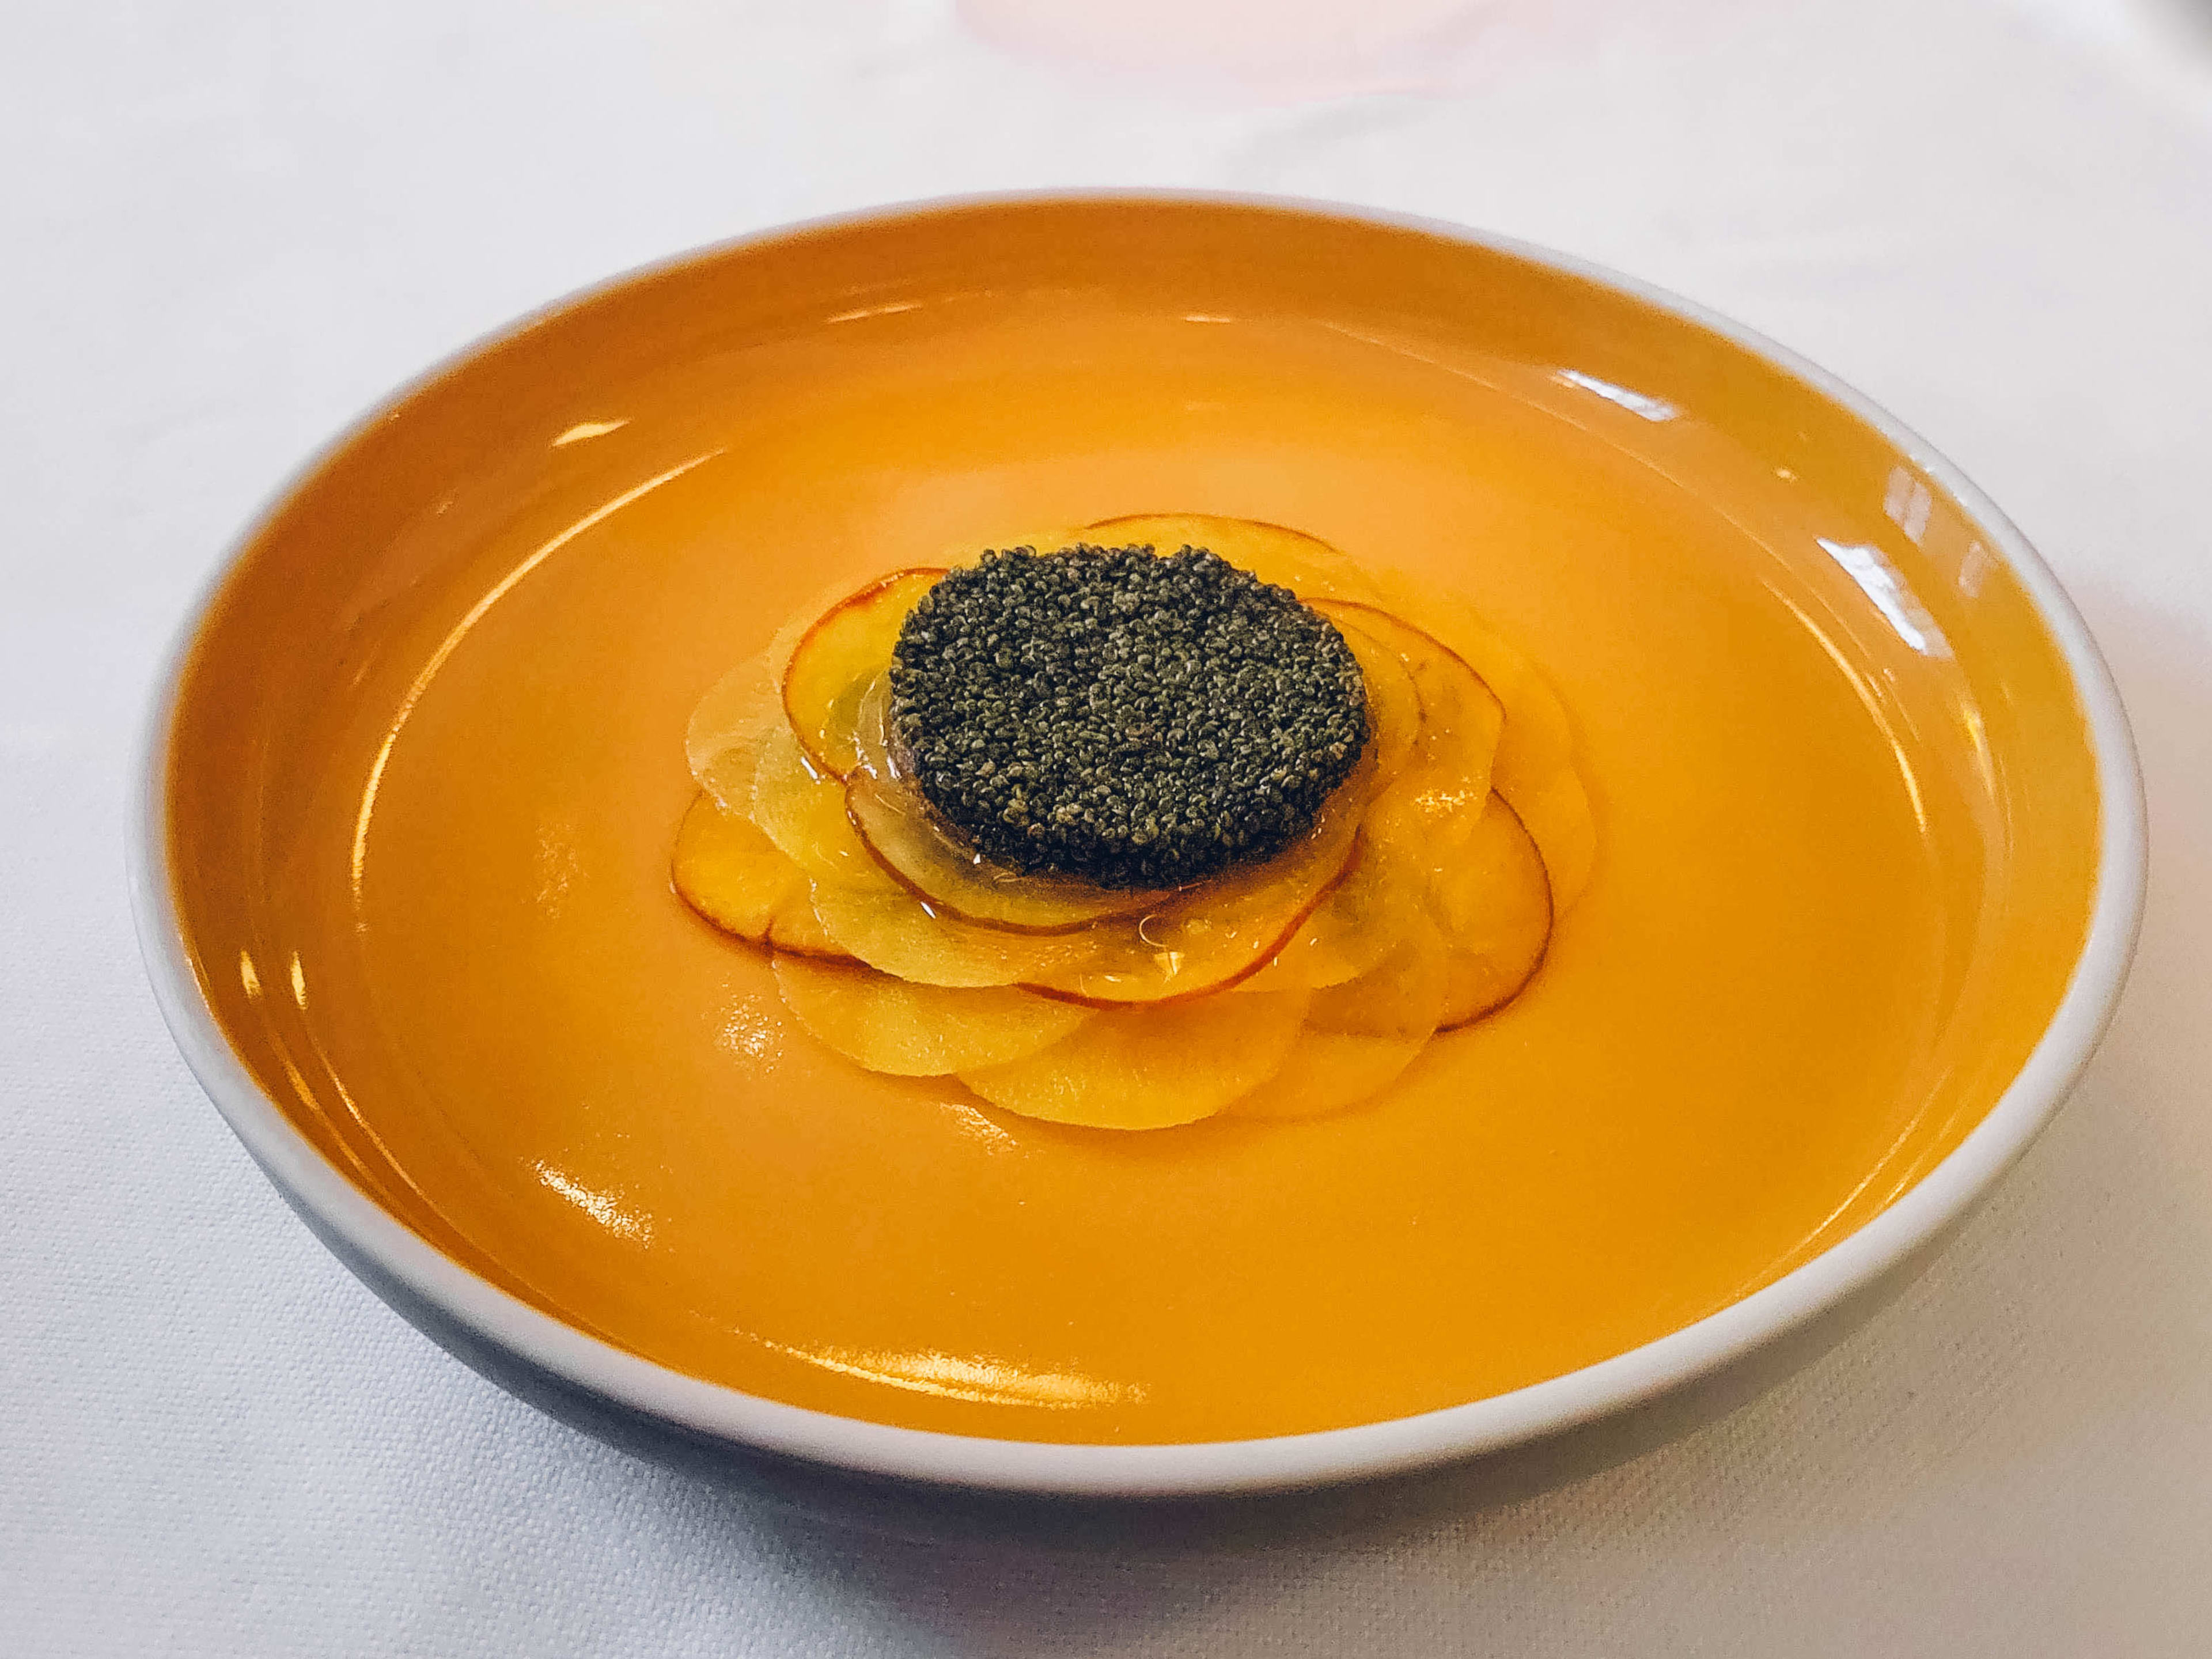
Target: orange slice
732 875
1147 1069
837 658
918 1030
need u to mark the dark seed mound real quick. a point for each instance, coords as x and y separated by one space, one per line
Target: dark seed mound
1135 720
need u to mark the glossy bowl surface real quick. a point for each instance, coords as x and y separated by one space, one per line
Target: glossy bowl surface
1978 657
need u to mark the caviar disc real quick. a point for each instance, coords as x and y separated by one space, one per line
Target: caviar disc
1126 718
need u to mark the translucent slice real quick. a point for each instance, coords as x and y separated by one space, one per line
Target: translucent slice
1534 770
884 926
866 911
1461 721
1402 850
1555 809
1201 939
726 729
1493 904
732 875
1147 1069
1379 898
913 846
803 812
1215 935
1394 703
919 1030
1360 1035
839 657
1205 940
797 930
911 843
1306 565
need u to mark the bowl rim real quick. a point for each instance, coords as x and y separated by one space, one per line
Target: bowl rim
717 1413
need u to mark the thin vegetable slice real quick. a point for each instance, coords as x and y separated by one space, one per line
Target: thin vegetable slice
1148 1068
803 812
838 658
1493 902
1401 849
1307 566
919 1030
918 850
725 730
884 926
733 876
1360 1035
1535 770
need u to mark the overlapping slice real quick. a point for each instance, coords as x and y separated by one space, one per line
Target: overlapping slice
1422 899
1494 904
919 1030
1463 721
732 874
928 857
1150 1067
726 729
918 852
1203 940
803 812
1534 770
1307 566
1218 934
1357 1036
837 660
883 925
1385 894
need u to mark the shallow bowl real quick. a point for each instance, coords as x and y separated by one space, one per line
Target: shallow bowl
288 633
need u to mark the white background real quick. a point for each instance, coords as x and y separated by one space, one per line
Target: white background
225 228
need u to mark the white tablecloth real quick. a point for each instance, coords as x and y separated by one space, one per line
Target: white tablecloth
230 226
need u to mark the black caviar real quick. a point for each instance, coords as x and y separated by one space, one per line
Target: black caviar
1133 720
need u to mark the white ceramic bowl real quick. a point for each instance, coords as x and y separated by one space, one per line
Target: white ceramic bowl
625 1396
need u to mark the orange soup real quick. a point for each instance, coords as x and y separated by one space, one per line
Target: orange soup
423 836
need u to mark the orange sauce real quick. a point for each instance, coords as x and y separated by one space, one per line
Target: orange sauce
443 934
